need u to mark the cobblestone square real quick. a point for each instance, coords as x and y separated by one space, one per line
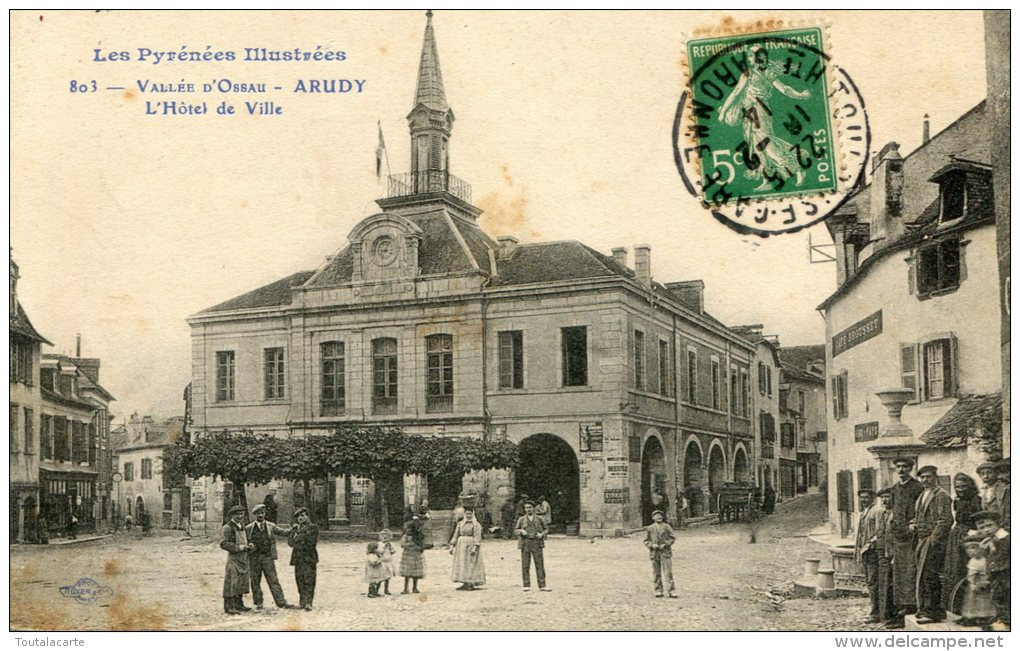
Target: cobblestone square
723 582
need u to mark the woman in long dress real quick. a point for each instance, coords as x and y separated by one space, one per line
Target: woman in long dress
954 569
466 547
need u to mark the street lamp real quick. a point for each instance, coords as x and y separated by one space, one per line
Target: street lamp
117 478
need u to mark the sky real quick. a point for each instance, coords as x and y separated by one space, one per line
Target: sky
124 224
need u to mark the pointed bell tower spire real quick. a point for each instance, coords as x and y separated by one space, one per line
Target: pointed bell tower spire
431 119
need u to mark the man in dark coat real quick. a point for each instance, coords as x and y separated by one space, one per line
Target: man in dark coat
304 537
905 492
933 518
262 534
234 541
531 532
884 548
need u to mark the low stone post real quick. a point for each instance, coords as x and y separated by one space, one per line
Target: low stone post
826 583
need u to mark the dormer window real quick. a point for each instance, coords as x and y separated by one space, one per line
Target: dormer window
952 198
938 268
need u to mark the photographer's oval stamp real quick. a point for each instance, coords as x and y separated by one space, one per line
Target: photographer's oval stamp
86 591
770 134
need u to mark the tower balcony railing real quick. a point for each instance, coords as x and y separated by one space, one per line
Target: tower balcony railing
405 185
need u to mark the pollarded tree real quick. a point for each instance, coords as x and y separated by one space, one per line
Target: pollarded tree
239 457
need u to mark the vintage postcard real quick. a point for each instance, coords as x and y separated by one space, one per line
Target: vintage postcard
617 321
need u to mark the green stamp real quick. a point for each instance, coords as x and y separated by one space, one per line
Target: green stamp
761 112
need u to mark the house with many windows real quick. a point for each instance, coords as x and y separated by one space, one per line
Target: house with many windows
611 383
803 419
145 489
75 455
26 407
912 349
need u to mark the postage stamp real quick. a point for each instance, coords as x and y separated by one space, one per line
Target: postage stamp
771 134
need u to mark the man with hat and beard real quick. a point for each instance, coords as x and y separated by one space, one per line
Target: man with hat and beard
304 538
234 541
866 549
262 534
905 492
933 518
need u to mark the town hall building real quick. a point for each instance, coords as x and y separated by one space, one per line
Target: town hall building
611 383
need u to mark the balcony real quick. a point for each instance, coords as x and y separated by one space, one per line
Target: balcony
406 185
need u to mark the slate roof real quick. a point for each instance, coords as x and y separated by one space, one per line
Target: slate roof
801 356
792 372
554 261
965 419
430 91
273 294
85 381
21 325
964 142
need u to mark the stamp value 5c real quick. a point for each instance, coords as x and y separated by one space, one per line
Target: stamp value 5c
762 115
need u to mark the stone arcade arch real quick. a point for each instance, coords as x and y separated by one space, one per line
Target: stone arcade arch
741 468
716 472
694 477
549 467
654 474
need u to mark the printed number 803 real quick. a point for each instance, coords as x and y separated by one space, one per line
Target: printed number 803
83 86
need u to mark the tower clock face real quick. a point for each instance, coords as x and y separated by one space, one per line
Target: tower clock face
384 251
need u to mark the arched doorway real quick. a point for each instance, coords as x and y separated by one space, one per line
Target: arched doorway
653 475
741 470
139 509
716 474
694 479
549 468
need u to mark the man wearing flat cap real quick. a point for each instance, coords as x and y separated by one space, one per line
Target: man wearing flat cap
933 518
659 540
531 533
905 492
866 548
995 494
304 538
234 541
883 550
262 534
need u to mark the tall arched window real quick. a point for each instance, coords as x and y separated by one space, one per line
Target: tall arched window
333 396
384 376
439 382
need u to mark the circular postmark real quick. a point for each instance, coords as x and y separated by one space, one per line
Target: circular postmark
770 135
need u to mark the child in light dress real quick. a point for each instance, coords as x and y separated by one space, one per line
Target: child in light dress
386 551
375 571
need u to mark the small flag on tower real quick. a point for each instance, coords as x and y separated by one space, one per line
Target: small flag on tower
380 150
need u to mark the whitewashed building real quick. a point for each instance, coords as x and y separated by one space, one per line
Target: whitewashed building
913 322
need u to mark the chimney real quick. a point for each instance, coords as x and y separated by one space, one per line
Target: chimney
507 245
887 196
620 256
643 264
689 293
77 346
925 131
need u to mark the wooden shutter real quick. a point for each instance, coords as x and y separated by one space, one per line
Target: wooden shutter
908 369
844 491
950 365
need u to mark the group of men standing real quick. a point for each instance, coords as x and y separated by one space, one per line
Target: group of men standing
902 543
251 554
